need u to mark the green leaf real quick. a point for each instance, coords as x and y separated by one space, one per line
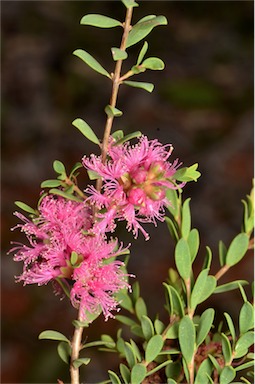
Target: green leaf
51 183
109 344
230 286
147 327
243 343
114 378
92 175
171 195
171 381
138 373
187 173
125 373
153 63
203 288
124 299
183 259
227 375
66 195
172 332
139 84
243 293
159 326
215 363
142 53
52 335
154 346
231 326
64 351
208 258
193 242
118 54
205 324
244 366
81 361
187 338
26 207
175 302
222 253
110 111
130 355
100 21
132 135
140 308
91 62
143 28
117 135
204 369
237 249
135 291
226 349
74 257
136 350
125 320
76 167
246 318
85 129
186 219
172 228
129 3
173 370
137 330
59 167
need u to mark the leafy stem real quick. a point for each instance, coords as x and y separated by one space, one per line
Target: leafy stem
115 89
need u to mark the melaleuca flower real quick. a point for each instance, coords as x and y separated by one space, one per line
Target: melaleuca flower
60 249
135 182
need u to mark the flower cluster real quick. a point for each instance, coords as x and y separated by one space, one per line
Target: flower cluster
61 250
135 182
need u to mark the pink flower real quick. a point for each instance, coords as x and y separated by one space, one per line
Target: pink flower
135 182
60 248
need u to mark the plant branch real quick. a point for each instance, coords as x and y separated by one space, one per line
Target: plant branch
115 89
76 346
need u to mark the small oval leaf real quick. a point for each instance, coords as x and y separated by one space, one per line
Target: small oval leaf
143 28
230 286
153 348
187 338
51 183
138 373
25 207
64 351
246 318
111 111
86 130
118 54
153 63
142 53
91 62
59 167
100 21
186 219
227 375
140 308
237 249
205 324
52 335
147 327
139 84
183 259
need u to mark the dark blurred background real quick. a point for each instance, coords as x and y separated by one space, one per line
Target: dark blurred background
202 104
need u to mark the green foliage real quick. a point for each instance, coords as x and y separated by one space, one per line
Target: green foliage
118 54
82 361
25 207
204 325
138 373
142 53
187 338
144 26
91 62
187 173
153 63
110 111
237 249
86 130
52 335
154 346
129 3
100 21
139 84
183 259
246 318
64 351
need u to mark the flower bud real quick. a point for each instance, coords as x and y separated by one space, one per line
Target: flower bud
136 196
156 170
156 193
139 175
